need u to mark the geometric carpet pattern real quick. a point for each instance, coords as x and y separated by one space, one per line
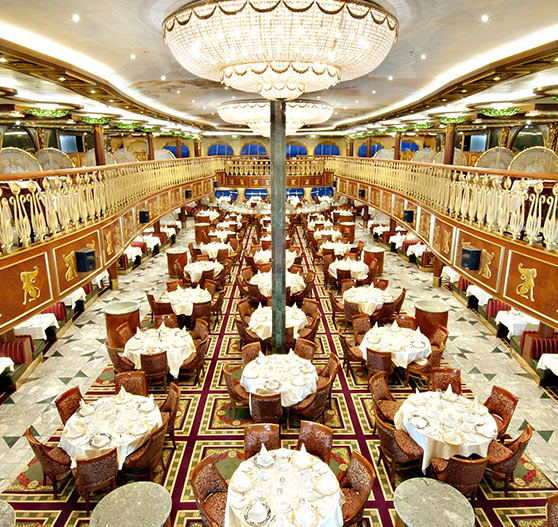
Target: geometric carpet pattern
205 426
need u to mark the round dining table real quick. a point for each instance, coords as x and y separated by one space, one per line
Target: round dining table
182 299
263 281
339 248
264 256
123 421
405 345
446 424
359 270
368 298
195 269
335 235
211 249
178 344
284 487
293 377
260 320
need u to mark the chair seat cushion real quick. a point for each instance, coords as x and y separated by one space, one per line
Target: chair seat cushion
389 408
497 453
355 350
438 464
408 444
304 403
214 507
240 391
322 381
499 423
60 456
352 502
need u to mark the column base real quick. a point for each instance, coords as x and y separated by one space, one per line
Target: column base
437 281
114 284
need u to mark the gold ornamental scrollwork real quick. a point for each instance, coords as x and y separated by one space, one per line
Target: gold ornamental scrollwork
70 261
437 232
30 290
90 245
486 260
446 241
526 289
108 240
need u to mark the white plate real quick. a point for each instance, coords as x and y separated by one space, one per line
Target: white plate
138 429
100 440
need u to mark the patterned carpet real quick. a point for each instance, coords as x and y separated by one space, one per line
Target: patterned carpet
205 426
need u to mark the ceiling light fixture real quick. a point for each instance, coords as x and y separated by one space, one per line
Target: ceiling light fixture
132 56
423 57
91 92
282 49
163 77
75 17
484 19
373 92
178 92
61 79
256 114
390 78
3 59
496 78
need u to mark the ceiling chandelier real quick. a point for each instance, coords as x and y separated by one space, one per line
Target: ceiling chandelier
256 114
280 48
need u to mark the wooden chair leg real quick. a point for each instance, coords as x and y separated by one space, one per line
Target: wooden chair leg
87 504
54 486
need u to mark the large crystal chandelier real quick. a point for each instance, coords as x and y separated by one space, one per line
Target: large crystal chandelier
280 48
255 114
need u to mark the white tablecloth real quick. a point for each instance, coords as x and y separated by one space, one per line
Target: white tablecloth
418 249
404 344
267 238
195 269
125 424
182 300
286 472
169 231
263 281
132 252
104 276
73 297
481 294
294 377
324 225
359 270
262 257
516 322
176 342
398 239
260 321
549 361
339 248
380 229
222 235
37 325
6 364
447 425
150 241
208 215
225 225
452 274
211 249
368 298
335 235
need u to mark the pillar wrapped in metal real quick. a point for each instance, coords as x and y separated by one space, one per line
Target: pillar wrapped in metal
278 152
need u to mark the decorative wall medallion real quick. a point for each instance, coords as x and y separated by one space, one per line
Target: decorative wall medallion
445 246
437 232
527 287
30 290
90 245
70 261
486 260
108 240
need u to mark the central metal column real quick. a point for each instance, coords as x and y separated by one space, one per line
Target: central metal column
278 169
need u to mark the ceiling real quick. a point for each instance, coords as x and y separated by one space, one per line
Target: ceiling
449 33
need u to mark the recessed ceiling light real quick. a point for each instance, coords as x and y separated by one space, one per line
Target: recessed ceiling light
484 18
496 78
318 97
336 113
205 107
484 127
75 17
528 121
111 100
423 57
373 92
126 106
344 107
356 102
178 92
193 100
3 59
390 78
444 100
556 59
463 91
163 78
61 79
91 91
132 56
17 123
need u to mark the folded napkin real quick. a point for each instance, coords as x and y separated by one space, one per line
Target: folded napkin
418 331
449 390
394 325
122 393
257 512
84 406
264 455
417 391
261 355
305 515
138 332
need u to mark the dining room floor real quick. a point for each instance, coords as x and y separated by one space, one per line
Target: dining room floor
206 426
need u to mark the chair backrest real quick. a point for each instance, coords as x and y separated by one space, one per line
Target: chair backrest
118 362
310 307
170 320
171 403
501 403
406 321
351 309
222 255
211 286
173 285
255 294
244 333
124 332
317 439
337 305
381 283
94 472
552 510
244 309
264 267
378 361
361 324
305 349
360 477
465 474
158 308
266 408
331 367
156 442
205 480
154 363
230 381
343 274
379 388
201 310
206 275
385 314
347 284
443 377
399 301
133 382
217 305
262 433
439 338
318 404
201 330
250 352
68 403
41 453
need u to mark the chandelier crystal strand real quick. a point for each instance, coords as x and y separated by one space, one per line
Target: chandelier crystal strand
255 114
280 48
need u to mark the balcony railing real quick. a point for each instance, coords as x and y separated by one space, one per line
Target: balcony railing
516 204
260 167
39 205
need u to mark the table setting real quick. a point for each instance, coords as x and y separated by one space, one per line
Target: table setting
282 488
176 342
183 298
123 421
227 224
368 298
195 269
264 256
263 280
211 249
37 325
260 320
335 235
209 214
516 321
359 270
445 424
323 224
405 345
339 248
